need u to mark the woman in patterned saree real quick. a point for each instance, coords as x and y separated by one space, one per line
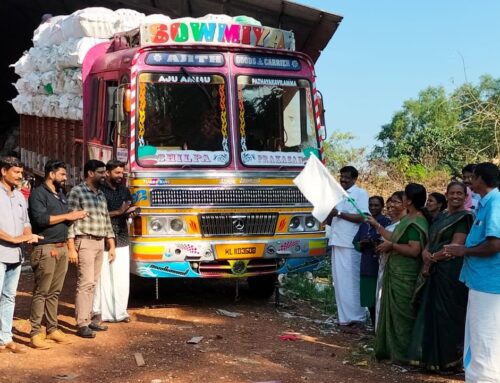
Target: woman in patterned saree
395 211
438 335
397 313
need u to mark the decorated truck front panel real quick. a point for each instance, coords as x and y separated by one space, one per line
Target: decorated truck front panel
215 150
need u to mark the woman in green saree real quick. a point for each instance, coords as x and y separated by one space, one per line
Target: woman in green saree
397 312
438 335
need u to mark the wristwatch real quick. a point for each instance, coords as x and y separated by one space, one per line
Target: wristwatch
339 214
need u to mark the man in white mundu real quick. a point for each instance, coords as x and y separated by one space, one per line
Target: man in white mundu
345 220
112 289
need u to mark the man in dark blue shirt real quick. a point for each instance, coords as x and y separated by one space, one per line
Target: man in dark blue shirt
112 290
49 214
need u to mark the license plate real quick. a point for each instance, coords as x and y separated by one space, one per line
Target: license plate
239 251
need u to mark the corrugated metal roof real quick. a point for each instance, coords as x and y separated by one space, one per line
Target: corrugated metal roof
19 18
313 28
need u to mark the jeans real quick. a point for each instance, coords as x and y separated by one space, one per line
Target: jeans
9 278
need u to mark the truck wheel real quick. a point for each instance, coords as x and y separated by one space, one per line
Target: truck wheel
141 287
262 286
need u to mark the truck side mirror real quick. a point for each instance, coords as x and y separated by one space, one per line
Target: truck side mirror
321 110
119 104
127 103
122 102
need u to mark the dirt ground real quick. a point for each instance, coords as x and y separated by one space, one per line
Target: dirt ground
247 348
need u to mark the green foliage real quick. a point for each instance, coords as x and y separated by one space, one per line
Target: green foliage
439 130
417 172
297 285
338 152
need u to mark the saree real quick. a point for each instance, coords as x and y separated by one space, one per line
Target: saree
397 312
380 277
438 335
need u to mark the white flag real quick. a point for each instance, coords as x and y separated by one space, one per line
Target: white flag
319 187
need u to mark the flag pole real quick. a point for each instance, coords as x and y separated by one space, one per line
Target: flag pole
353 203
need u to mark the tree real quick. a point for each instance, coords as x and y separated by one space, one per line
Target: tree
479 130
338 152
420 133
438 130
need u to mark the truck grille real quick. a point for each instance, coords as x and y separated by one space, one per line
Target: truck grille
222 268
261 196
238 224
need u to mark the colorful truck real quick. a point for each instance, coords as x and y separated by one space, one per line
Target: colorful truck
214 120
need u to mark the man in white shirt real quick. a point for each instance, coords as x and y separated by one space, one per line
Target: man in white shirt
345 221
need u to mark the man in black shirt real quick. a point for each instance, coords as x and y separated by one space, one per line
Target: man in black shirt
49 214
112 290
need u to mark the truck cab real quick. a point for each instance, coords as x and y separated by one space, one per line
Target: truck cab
214 119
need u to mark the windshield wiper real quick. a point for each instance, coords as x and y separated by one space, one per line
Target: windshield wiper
190 76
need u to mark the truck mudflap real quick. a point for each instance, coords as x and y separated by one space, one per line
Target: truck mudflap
238 268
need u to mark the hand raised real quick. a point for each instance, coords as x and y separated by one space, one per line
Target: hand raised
372 221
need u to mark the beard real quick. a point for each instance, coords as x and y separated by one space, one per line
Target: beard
58 184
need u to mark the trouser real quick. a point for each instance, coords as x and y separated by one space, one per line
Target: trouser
9 279
90 253
345 274
112 289
482 338
50 264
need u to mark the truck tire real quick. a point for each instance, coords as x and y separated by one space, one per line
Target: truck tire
262 286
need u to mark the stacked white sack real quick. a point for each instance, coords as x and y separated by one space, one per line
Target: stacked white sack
51 75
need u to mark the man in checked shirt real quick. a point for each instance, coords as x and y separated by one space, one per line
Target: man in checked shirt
86 242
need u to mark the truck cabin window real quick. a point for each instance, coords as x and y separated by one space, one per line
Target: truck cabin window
276 116
182 119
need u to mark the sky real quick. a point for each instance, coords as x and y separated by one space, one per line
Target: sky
385 52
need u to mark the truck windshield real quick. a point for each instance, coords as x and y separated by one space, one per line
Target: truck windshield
276 121
181 120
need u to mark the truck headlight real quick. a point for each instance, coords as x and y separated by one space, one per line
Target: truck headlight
166 225
311 223
177 224
295 224
157 225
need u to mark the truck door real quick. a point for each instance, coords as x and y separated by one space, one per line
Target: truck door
102 126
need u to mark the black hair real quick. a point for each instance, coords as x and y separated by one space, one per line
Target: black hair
489 173
440 199
457 183
397 195
379 198
113 164
52 166
417 194
10 162
351 170
469 168
91 166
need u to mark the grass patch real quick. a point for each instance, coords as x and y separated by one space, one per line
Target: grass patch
363 353
318 290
